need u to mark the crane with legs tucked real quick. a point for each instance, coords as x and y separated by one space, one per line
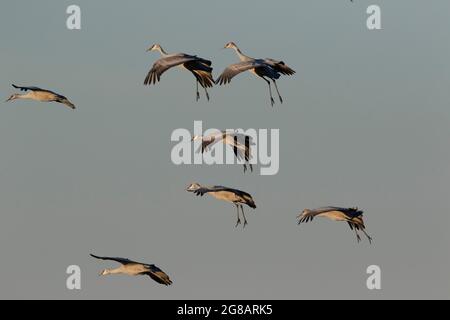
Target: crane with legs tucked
234 196
41 95
132 268
267 69
353 216
199 67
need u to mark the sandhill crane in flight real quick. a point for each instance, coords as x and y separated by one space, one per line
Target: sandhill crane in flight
133 268
240 143
353 216
41 95
267 69
200 68
236 197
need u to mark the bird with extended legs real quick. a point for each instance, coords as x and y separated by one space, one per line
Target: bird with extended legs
353 216
240 143
234 196
267 69
199 67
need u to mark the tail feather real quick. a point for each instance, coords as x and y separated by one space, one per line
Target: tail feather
284 69
251 203
204 78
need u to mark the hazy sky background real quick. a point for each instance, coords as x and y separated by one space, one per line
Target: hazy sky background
365 123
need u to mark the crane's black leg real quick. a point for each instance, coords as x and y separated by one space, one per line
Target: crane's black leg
238 217
272 100
198 92
248 165
358 237
278 91
368 237
245 219
207 94
354 227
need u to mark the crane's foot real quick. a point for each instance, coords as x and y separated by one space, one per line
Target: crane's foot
198 96
207 96
238 223
358 238
281 100
272 101
370 240
245 224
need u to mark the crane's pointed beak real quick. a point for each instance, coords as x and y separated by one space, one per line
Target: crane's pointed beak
9 99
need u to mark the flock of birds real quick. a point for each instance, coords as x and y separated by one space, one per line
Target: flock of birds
270 71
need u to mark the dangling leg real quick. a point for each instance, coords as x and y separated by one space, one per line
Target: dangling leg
368 237
198 93
248 156
238 217
358 237
207 94
272 100
246 166
243 214
278 91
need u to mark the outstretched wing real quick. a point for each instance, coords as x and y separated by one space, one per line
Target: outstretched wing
350 213
28 88
309 215
119 260
159 276
35 89
202 191
247 197
164 64
208 142
236 69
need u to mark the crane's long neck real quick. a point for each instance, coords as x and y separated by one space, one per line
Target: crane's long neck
241 56
163 53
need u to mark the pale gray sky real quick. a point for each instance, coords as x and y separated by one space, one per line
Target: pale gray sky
366 123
